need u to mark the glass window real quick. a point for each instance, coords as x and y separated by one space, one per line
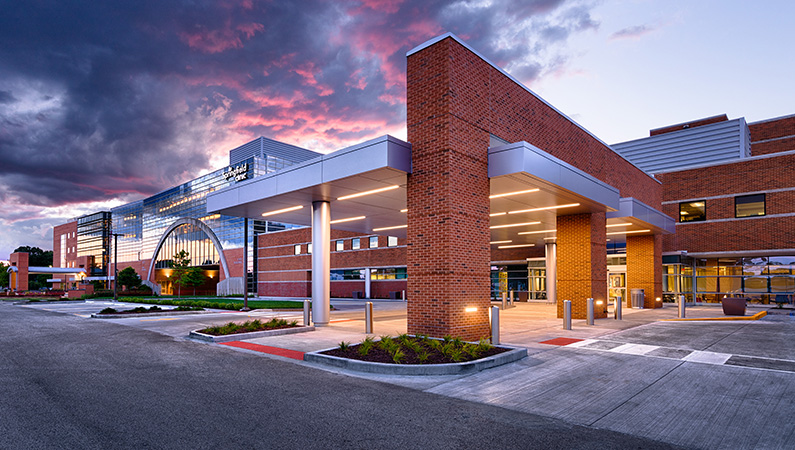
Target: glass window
309 248
693 211
341 275
390 273
355 242
297 249
392 241
373 241
749 205
340 245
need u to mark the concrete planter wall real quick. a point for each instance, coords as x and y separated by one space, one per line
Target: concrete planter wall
514 354
241 336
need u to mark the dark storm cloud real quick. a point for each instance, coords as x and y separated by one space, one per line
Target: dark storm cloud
108 100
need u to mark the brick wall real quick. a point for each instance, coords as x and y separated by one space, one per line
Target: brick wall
722 231
772 136
70 230
644 267
581 257
282 273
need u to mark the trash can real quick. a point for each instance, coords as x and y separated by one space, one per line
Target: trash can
638 296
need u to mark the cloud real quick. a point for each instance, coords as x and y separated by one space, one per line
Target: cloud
111 102
633 32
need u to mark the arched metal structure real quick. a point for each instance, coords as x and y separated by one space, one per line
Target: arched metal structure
198 224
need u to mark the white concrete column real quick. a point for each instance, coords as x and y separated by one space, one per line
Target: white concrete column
321 262
367 282
552 271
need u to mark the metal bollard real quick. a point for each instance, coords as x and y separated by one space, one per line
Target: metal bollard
589 310
495 325
681 306
619 304
368 317
403 295
511 297
307 320
567 314
504 300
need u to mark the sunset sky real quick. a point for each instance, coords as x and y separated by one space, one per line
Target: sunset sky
102 103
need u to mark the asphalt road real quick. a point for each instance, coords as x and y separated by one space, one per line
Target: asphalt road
72 382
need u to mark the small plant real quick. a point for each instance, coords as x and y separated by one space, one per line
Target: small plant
108 311
472 350
397 356
423 356
484 345
367 344
343 346
456 354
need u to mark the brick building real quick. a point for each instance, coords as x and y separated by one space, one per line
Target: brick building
496 190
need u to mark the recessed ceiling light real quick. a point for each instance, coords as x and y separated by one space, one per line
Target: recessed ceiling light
626 224
390 228
538 232
516 246
507 194
545 208
374 191
279 211
348 219
514 225
501 242
627 232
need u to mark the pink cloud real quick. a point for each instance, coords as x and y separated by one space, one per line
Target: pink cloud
216 41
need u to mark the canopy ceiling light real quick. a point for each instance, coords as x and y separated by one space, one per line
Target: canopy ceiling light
390 228
348 219
374 191
538 232
545 208
507 194
628 232
279 211
625 224
514 225
516 246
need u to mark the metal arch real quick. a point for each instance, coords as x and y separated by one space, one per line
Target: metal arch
199 224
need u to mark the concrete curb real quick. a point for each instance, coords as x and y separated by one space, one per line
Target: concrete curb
254 334
756 316
150 314
515 354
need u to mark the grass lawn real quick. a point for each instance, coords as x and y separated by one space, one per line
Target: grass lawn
215 302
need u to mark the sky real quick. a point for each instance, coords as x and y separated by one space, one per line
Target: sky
103 103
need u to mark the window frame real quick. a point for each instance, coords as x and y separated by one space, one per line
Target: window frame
701 218
356 244
373 242
764 205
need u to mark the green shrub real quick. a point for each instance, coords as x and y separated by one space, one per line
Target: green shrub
108 311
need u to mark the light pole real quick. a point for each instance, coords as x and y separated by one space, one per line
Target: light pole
116 266
245 265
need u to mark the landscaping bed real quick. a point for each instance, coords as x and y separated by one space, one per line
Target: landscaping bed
251 329
151 309
407 349
416 355
218 303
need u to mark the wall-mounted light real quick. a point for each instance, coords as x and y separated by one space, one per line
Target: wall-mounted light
470 309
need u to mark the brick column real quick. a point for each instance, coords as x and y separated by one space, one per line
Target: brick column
644 267
448 251
582 262
21 261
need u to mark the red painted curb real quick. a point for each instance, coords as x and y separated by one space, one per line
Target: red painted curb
267 349
561 341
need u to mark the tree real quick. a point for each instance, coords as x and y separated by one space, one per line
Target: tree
129 278
37 258
4 278
179 269
195 278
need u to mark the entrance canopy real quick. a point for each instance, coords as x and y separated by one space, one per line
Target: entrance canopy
366 186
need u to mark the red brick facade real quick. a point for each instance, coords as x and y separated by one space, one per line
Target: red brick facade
581 257
718 186
282 273
69 233
772 136
644 268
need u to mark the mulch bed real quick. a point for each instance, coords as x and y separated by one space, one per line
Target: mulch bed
379 355
249 327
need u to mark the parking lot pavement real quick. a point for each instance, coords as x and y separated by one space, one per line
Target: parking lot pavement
696 384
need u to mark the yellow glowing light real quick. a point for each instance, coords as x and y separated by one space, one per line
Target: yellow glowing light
501 242
279 211
404 210
627 232
538 232
374 191
626 224
497 214
514 225
348 219
471 309
517 246
550 238
390 228
545 208
507 194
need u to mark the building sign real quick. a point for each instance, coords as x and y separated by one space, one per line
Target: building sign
237 173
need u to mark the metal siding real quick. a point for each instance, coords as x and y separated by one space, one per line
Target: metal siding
262 147
722 141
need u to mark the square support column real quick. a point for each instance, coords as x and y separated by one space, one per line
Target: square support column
644 267
19 280
321 262
582 262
